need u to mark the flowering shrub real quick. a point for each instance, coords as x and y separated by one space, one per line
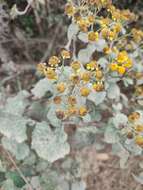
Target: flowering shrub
94 83
94 77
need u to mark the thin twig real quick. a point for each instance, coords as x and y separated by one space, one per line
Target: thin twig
17 168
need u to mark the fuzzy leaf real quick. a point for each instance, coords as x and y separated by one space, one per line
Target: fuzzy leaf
17 104
19 150
97 97
83 37
110 135
119 119
81 185
99 45
43 86
113 92
72 31
8 185
49 145
13 126
52 118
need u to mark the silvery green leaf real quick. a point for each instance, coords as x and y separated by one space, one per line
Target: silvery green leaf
120 151
17 104
72 31
88 130
84 136
113 92
49 145
100 45
13 127
99 146
111 134
134 148
65 73
43 86
80 100
103 62
84 56
52 118
97 97
83 37
86 118
139 178
19 150
79 185
119 119
42 165
124 100
117 107
63 185
30 160
67 164
8 185
35 182
124 156
127 81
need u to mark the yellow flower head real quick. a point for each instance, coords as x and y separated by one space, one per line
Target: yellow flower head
60 114
61 87
82 111
122 57
139 128
139 140
86 76
75 78
113 66
84 91
54 61
98 74
72 110
104 22
93 36
57 99
134 116
107 50
83 24
98 86
70 10
117 28
111 35
121 70
65 54
75 65
41 67
50 73
91 19
91 66
72 100
129 63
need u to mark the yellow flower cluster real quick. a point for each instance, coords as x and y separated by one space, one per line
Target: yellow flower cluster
136 128
137 35
122 63
90 76
49 69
